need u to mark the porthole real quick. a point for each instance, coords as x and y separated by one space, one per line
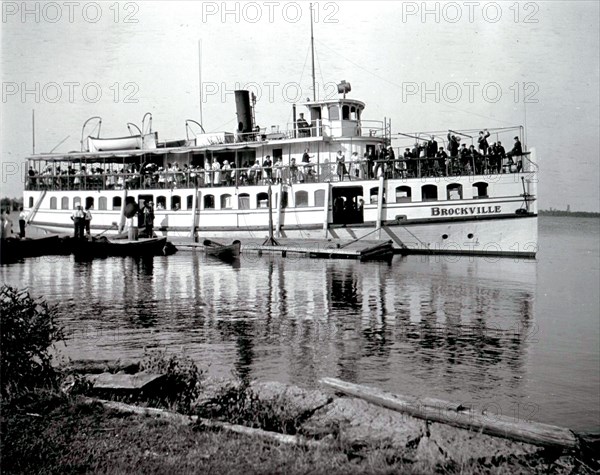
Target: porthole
470 235
444 236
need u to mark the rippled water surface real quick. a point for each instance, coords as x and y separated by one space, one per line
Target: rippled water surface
519 337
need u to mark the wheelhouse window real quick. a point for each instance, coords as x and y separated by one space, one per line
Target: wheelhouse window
480 190
262 200
429 192
175 202
117 202
64 202
403 194
226 202
320 198
244 201
53 203
346 112
454 191
334 112
209 202
301 198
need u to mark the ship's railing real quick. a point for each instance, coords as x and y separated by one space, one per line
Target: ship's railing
319 128
294 173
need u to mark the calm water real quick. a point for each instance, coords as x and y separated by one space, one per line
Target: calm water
519 337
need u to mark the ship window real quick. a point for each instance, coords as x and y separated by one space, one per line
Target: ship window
53 203
64 202
102 203
284 199
262 200
480 190
117 202
454 191
161 202
209 202
89 202
346 112
244 201
320 198
403 194
31 201
190 201
374 195
226 202
175 202
353 113
301 199
429 192
334 112
76 202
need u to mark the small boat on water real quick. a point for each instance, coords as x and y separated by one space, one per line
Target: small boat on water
223 251
14 248
104 247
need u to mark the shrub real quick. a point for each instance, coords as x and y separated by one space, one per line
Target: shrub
28 329
183 378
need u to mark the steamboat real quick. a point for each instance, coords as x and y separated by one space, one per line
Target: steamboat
331 176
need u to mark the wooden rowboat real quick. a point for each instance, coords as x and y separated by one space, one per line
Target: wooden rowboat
102 246
223 251
12 249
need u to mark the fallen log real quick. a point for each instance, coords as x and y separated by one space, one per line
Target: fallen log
442 411
188 420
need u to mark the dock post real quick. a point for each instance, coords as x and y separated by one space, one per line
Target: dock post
326 213
379 206
194 208
279 199
122 219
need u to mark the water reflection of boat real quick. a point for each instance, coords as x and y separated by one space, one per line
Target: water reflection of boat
222 251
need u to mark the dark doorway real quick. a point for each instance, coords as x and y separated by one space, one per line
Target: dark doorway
348 203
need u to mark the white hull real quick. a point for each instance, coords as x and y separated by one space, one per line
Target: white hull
501 224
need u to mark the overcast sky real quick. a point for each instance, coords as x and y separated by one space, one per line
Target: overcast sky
427 66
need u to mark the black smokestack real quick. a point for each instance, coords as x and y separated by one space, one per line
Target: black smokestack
243 111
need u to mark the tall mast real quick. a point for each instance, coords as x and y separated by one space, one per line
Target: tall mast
200 78
312 50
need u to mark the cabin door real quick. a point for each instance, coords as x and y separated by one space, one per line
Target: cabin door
347 205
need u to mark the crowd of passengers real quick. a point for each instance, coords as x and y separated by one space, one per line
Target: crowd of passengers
423 160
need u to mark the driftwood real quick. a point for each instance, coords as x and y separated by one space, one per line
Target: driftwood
442 411
187 420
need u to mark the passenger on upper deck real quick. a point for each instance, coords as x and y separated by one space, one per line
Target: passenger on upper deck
432 147
516 150
303 126
453 144
482 141
340 165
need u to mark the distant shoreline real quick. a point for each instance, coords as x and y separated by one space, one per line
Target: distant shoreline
574 214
